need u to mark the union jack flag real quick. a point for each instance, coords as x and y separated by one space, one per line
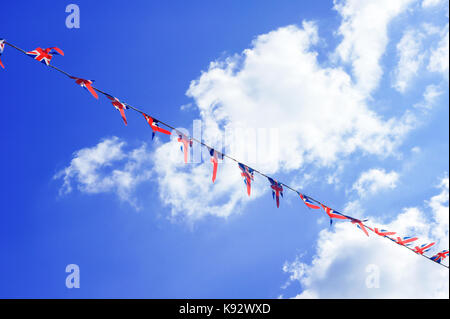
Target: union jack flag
277 190
382 232
154 125
45 55
423 248
215 155
405 241
87 84
440 256
2 47
333 214
247 173
359 224
121 107
186 144
308 201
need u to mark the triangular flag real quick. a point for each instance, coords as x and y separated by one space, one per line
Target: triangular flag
87 84
154 125
121 107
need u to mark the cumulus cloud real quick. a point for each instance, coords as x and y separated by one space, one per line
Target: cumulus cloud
107 167
278 83
365 36
375 180
374 267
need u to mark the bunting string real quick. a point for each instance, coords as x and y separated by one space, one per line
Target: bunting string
46 55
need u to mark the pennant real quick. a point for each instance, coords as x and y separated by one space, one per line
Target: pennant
186 144
121 107
45 55
308 201
405 241
2 47
359 224
333 214
423 248
155 126
247 173
382 232
87 84
277 190
215 155
440 256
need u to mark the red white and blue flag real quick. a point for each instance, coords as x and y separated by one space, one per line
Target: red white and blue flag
277 190
215 156
121 107
359 224
87 84
423 248
382 232
440 256
247 173
187 142
45 55
155 126
308 201
405 241
333 214
2 47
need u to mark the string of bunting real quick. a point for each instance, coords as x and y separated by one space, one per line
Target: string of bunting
46 55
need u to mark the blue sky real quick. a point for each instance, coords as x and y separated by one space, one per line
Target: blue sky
382 156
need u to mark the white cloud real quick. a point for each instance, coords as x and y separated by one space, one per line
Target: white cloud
365 36
346 251
106 167
439 57
375 180
278 83
430 97
410 59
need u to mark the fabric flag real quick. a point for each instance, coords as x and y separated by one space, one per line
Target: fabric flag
2 47
247 173
308 201
405 241
382 232
186 144
154 125
440 256
277 190
423 248
121 107
359 224
215 155
87 84
333 214
45 55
